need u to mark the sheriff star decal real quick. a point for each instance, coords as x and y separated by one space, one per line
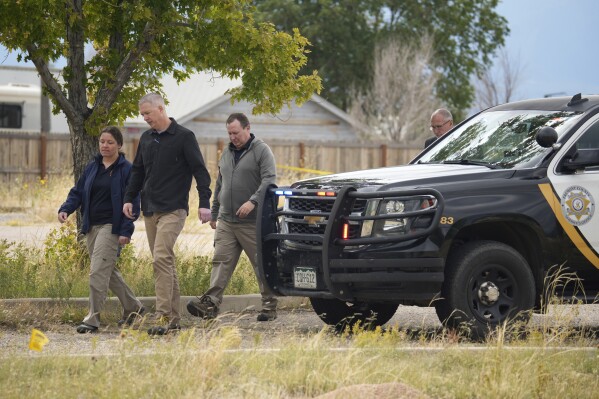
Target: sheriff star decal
578 205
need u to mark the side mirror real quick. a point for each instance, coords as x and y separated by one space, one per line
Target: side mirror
546 137
582 158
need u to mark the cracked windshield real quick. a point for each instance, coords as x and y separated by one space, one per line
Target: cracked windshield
500 140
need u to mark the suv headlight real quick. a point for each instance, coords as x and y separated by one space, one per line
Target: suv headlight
394 225
392 207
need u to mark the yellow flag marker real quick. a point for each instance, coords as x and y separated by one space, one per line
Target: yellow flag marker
38 340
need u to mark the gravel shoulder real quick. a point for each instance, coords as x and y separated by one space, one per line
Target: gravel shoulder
293 325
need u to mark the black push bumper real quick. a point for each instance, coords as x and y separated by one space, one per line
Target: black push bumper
341 273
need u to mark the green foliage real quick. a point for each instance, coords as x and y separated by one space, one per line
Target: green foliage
344 34
194 274
67 263
137 42
61 270
18 274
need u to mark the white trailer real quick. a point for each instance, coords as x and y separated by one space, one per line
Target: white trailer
20 106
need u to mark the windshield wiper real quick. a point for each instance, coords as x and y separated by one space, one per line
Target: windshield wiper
473 162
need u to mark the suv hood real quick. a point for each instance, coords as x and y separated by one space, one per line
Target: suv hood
402 176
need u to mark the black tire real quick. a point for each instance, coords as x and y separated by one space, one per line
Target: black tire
486 284
345 314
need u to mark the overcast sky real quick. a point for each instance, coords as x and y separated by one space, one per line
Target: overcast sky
554 42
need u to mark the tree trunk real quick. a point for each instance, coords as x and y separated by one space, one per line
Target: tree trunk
84 147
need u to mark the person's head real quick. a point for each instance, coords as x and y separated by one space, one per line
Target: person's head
238 127
153 110
441 122
110 142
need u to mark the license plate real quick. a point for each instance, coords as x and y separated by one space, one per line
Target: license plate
304 277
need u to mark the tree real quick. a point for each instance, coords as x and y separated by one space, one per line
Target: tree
344 33
341 35
498 83
136 42
400 97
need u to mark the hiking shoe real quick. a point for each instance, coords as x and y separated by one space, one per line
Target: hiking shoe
267 315
131 317
85 328
202 307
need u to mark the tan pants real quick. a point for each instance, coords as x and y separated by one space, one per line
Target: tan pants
229 240
162 229
102 246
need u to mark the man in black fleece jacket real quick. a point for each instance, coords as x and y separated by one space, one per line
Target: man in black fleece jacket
167 157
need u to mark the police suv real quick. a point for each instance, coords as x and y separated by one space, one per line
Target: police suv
473 226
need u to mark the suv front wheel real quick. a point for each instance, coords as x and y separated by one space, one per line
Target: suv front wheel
487 283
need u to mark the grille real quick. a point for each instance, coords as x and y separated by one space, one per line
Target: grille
323 205
303 228
309 204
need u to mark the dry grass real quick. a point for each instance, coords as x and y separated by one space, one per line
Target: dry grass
38 201
207 363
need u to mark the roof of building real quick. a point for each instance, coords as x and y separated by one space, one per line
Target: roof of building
186 98
203 91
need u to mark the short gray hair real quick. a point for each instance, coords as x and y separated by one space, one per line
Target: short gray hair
152 98
444 113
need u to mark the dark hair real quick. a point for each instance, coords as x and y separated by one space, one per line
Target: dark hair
114 132
243 120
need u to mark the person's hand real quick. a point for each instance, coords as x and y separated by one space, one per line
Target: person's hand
204 214
62 217
124 240
213 224
128 210
245 209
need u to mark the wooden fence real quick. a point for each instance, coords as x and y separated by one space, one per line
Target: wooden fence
28 156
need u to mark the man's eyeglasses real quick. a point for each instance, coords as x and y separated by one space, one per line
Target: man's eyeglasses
433 127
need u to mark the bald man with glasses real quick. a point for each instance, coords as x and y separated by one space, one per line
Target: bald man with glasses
441 123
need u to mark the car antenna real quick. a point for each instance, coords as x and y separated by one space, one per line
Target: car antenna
577 99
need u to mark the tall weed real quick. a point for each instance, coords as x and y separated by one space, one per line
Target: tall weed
61 269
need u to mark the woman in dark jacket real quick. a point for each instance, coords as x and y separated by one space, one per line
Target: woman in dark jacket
99 192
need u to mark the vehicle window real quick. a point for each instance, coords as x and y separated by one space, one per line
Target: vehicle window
501 139
590 139
10 116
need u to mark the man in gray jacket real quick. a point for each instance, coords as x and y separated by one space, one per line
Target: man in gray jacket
246 167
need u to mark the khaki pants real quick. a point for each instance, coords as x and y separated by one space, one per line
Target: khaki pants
102 246
229 240
162 229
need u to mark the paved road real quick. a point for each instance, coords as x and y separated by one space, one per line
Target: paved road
195 240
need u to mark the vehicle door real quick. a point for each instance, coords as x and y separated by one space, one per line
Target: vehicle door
576 191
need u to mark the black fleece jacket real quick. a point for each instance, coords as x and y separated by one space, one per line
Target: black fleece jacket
162 170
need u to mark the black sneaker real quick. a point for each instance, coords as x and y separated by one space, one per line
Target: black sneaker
131 317
202 307
84 328
267 315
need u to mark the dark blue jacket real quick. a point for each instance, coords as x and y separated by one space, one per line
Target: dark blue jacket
79 196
